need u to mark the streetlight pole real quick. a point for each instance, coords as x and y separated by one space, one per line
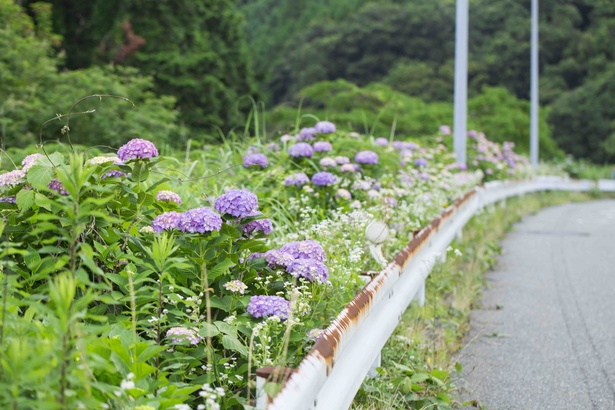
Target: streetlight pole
461 81
534 87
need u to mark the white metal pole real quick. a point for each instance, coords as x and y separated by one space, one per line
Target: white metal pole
534 87
461 81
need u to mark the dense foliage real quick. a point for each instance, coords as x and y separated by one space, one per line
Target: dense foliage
194 51
32 88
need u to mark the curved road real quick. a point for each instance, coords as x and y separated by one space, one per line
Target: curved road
544 337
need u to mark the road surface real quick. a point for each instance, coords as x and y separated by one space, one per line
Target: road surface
544 337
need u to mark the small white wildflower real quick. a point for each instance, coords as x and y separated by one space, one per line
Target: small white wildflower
127 385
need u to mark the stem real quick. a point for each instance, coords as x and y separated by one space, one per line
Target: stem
133 312
210 351
63 373
158 327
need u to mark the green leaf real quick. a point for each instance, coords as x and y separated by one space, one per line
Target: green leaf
272 389
458 367
24 199
220 269
32 259
208 330
232 343
42 201
419 377
40 176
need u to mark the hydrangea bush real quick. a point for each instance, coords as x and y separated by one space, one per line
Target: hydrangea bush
134 281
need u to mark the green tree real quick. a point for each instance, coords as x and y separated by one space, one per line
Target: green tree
35 91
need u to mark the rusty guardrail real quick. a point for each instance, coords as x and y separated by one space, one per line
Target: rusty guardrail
332 372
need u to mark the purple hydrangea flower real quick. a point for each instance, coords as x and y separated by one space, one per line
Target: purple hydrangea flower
309 249
445 129
398 145
323 178
307 134
472 134
260 306
421 162
57 186
8 199
298 178
12 178
272 146
285 138
323 146
114 173
29 161
382 142
263 225
255 159
276 258
182 334
199 220
348 168
168 196
390 201
237 202
310 269
301 149
410 146
327 162
342 160
235 286
325 127
343 193
137 148
167 220
366 157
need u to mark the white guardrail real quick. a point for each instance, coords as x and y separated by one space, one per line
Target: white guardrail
332 372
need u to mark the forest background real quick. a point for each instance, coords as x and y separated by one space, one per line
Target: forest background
198 70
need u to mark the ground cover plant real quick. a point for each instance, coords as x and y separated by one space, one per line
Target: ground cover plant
140 280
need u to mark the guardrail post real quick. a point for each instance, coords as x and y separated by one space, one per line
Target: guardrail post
264 375
420 294
373 372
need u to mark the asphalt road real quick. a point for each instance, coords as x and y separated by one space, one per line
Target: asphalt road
544 337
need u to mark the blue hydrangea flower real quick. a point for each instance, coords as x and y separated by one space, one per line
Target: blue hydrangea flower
398 145
301 149
348 168
366 157
168 196
309 249
167 220
263 225
180 334
114 173
8 199
410 146
325 127
343 193
277 259
310 269
324 178
255 159
237 202
323 146
327 162
57 186
421 162
12 178
307 134
382 142
29 161
235 286
199 220
260 306
137 148
298 178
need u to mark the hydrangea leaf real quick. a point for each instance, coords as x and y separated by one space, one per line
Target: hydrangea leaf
39 176
24 199
232 343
